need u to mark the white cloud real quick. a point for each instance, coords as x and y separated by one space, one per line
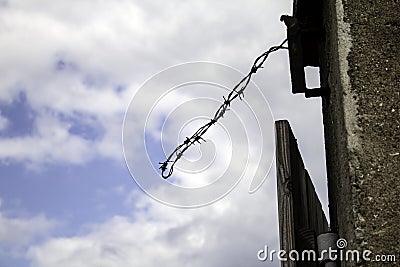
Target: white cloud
3 122
227 233
99 46
17 233
69 58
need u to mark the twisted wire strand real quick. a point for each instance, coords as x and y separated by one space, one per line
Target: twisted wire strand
167 167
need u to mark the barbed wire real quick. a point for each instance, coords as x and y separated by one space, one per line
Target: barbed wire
237 91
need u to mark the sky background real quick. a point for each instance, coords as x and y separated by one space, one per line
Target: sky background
68 70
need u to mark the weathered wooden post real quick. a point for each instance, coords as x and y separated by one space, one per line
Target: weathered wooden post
301 217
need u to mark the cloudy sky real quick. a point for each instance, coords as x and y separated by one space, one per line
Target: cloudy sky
68 72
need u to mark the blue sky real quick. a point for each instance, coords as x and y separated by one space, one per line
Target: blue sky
68 71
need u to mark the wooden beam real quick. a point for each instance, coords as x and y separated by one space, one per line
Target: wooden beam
301 217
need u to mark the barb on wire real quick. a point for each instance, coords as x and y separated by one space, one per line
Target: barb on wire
167 167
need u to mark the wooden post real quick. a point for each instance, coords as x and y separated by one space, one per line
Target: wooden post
301 217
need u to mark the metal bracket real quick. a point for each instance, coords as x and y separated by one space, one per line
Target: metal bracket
304 41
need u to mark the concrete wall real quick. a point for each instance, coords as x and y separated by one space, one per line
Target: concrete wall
362 122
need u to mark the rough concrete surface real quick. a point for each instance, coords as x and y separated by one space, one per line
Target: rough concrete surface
362 123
